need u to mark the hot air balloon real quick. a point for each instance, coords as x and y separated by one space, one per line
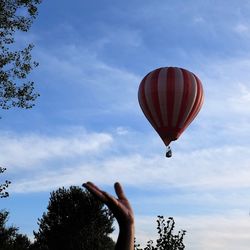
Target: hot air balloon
170 98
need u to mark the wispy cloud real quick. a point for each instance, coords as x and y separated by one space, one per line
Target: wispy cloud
30 150
241 100
118 36
208 169
241 29
107 87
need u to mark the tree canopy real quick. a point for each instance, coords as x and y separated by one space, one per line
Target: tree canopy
74 220
10 239
16 64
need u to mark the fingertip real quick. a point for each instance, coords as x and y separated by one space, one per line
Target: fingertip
119 191
85 184
117 184
88 184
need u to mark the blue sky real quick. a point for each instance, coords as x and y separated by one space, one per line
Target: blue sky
87 124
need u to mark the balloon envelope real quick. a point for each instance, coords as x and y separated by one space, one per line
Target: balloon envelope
170 98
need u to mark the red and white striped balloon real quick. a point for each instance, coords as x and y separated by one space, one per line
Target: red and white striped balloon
170 98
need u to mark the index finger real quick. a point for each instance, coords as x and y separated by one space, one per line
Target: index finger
92 188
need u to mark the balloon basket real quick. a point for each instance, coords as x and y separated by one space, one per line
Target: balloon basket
168 152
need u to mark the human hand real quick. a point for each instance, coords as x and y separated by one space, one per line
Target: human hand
120 206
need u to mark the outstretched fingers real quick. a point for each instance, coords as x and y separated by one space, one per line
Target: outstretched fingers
92 188
112 202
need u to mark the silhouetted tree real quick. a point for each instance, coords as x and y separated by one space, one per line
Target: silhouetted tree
75 220
10 239
15 65
3 192
167 240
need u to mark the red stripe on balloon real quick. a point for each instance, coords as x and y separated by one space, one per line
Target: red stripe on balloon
155 94
143 102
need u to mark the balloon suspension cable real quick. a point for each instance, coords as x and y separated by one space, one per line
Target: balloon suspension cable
169 152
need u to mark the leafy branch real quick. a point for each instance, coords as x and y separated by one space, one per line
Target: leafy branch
4 186
167 240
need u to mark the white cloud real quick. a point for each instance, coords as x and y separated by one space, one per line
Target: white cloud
122 131
206 169
29 150
241 29
199 20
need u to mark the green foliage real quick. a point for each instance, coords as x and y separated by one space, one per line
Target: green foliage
15 65
3 187
10 239
75 220
167 240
